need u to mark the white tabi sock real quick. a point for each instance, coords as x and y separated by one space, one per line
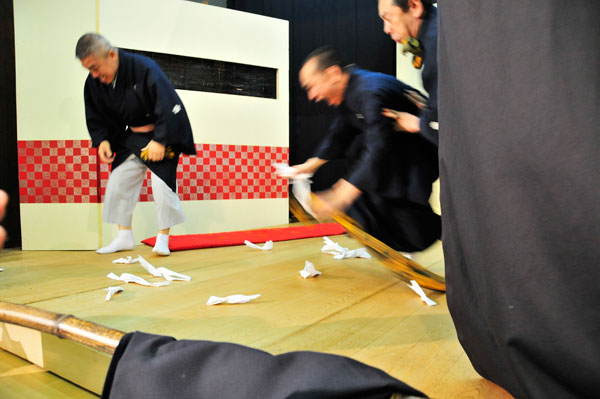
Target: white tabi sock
161 246
123 242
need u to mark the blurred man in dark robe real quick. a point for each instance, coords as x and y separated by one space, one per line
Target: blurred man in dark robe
138 122
389 181
413 23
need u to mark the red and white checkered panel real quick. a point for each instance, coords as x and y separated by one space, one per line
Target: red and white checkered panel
59 172
222 172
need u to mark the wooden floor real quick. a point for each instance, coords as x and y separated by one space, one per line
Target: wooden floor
356 308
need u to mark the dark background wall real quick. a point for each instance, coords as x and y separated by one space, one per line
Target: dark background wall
354 27
9 180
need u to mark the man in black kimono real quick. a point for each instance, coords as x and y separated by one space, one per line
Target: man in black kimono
413 23
520 171
131 108
388 184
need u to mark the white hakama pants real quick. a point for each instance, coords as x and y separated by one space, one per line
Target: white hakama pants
123 191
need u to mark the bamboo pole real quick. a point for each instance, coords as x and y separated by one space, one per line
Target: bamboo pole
407 269
61 325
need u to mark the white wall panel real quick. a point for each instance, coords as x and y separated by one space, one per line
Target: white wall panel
49 78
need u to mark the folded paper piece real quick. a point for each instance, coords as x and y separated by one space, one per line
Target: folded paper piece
301 191
417 288
339 252
125 260
112 291
131 278
214 300
309 270
300 184
223 239
169 275
266 247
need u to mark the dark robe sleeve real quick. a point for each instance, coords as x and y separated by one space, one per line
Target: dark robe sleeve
428 124
96 120
429 115
149 366
172 125
369 170
337 141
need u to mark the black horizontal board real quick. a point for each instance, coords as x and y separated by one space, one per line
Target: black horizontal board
200 74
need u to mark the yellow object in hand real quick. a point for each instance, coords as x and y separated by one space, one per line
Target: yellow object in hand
169 153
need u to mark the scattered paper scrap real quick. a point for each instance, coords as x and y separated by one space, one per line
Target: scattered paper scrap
132 278
266 247
339 252
125 260
169 275
214 300
309 271
112 291
417 288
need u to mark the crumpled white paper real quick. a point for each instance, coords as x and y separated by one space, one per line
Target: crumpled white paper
168 274
132 278
214 300
417 288
266 247
309 270
112 291
339 252
125 260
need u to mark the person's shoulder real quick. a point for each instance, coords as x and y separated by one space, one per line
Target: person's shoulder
377 81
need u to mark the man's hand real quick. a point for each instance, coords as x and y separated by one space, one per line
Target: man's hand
155 151
405 122
338 198
310 166
105 153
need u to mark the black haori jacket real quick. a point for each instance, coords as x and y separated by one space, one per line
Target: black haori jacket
153 366
142 95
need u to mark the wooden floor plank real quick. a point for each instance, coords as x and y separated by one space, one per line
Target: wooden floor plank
357 307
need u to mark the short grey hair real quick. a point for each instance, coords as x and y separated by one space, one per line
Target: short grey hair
92 43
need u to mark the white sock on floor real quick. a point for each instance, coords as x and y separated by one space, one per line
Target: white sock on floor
123 242
161 246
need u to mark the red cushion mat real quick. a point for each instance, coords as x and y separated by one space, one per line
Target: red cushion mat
194 241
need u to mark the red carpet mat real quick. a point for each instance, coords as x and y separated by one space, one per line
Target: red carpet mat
195 241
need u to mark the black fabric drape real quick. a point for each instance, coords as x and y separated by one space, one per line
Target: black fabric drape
152 366
519 102
9 177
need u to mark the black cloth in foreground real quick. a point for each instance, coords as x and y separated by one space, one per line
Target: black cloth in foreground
154 366
520 173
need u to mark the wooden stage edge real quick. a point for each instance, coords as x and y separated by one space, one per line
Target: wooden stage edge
356 308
